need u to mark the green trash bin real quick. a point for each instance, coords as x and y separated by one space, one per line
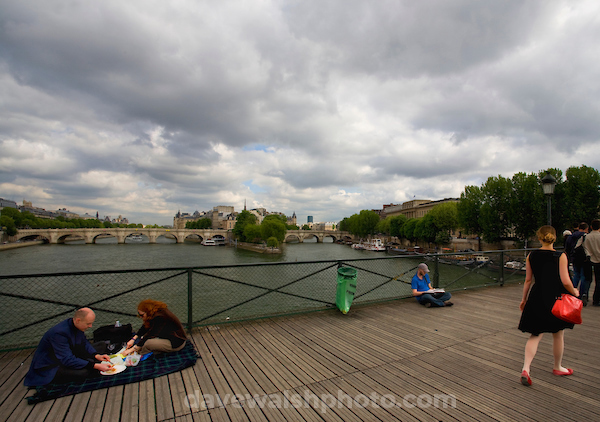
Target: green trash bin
346 288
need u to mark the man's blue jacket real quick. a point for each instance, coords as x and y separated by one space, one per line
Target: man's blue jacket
62 345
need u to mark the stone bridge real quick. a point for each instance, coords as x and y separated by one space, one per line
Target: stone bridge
301 235
180 235
90 235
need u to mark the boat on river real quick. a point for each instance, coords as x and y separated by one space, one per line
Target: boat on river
209 242
135 238
375 245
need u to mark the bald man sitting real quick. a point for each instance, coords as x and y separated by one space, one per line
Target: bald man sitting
65 354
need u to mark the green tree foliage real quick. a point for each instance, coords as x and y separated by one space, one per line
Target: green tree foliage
506 207
445 217
527 205
8 223
582 194
203 223
410 228
383 226
362 224
306 227
344 225
396 224
495 210
425 228
252 233
272 242
244 219
469 209
273 227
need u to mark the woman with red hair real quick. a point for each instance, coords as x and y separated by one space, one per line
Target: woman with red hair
161 332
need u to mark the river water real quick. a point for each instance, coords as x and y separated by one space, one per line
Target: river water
107 255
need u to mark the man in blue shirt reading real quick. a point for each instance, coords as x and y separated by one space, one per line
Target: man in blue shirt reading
65 354
422 291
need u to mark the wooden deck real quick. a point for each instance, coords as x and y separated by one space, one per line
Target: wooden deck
392 361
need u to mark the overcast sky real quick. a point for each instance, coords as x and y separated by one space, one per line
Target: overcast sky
323 108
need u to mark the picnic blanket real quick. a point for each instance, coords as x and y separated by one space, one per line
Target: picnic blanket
155 366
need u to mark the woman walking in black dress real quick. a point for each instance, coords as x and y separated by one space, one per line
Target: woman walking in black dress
546 278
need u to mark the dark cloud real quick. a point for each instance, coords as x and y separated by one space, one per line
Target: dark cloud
151 104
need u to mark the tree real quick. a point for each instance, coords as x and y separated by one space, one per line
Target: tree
9 224
13 213
396 224
252 233
445 217
469 209
306 227
367 222
527 205
495 210
344 225
383 226
582 194
409 229
203 223
425 228
244 219
271 227
272 242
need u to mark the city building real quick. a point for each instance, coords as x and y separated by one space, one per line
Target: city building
7 203
309 219
416 208
328 226
224 217
66 213
37 212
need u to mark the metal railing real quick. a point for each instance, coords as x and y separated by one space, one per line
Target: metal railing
209 295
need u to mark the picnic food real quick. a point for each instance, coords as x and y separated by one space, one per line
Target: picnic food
112 370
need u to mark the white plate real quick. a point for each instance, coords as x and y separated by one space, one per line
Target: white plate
119 368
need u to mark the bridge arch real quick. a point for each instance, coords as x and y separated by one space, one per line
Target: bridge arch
293 237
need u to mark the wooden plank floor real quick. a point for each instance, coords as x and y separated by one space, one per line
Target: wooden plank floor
396 361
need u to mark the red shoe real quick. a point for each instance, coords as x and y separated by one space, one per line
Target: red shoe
561 373
525 379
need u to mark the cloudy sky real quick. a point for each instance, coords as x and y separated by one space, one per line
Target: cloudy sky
323 108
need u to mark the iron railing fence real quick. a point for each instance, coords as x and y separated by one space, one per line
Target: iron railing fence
208 295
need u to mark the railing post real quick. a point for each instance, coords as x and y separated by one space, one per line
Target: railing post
190 299
502 268
436 273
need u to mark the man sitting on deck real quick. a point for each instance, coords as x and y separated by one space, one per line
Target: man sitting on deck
65 354
422 291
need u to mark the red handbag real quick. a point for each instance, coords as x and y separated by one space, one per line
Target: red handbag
568 308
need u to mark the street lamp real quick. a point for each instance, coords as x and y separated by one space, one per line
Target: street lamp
548 183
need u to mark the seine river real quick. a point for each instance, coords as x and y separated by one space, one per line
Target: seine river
108 255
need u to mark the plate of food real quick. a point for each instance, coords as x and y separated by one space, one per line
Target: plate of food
114 370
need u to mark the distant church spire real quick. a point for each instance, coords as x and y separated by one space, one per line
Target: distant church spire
244 204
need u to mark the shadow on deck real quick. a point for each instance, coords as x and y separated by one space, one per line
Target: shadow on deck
392 361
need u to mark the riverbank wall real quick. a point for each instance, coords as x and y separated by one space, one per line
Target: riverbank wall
16 245
256 248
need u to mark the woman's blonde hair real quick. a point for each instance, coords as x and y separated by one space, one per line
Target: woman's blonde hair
546 234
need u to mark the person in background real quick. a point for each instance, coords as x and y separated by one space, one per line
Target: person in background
161 331
64 354
579 269
566 235
422 291
592 247
546 277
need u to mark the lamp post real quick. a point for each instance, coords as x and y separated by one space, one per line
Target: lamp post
548 183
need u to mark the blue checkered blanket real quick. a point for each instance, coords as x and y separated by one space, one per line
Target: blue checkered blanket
154 366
